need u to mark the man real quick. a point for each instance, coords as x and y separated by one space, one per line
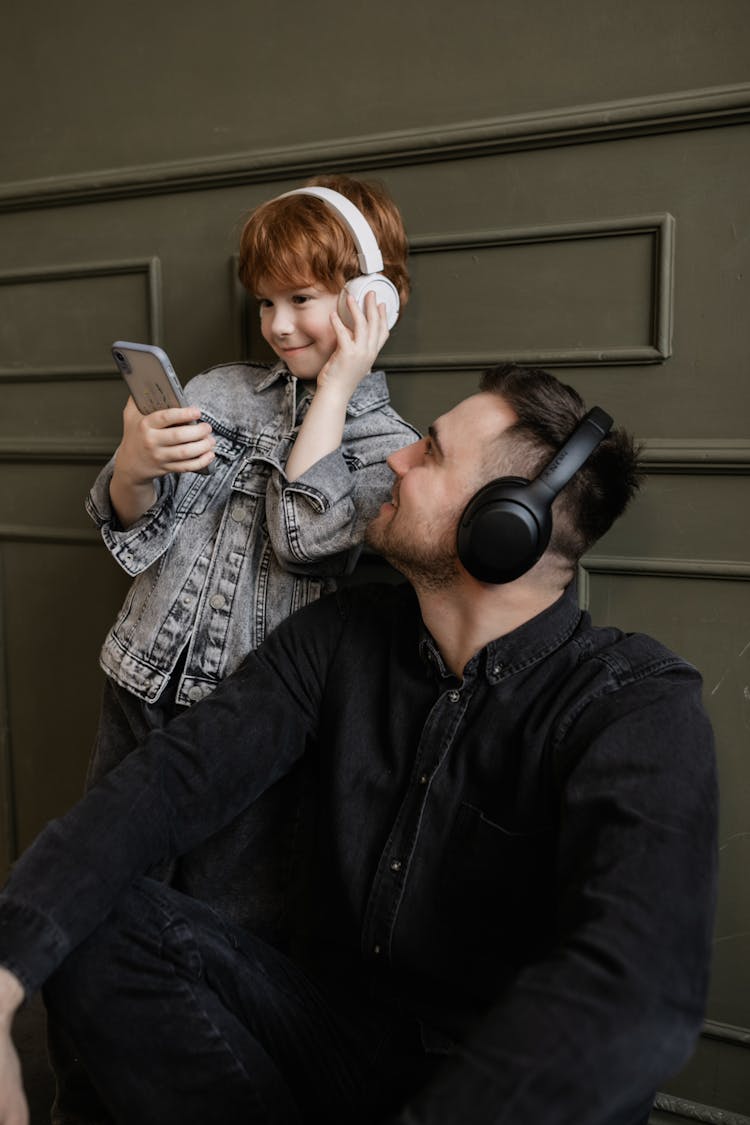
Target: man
506 836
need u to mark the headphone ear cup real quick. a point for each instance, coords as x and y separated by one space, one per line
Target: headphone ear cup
385 294
502 532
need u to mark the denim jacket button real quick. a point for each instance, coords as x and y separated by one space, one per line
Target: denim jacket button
454 696
238 511
196 693
218 601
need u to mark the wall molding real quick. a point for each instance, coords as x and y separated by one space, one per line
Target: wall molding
583 124
7 774
694 1111
727 1033
660 228
72 451
23 533
698 456
717 569
76 271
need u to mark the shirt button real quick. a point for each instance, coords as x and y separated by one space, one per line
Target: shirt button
395 865
423 779
497 669
376 950
218 601
454 695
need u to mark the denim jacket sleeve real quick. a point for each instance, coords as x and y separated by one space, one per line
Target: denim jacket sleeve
135 548
317 522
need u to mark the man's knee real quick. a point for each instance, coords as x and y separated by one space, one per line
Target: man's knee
94 974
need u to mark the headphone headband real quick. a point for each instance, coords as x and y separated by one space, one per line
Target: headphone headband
593 427
368 251
506 526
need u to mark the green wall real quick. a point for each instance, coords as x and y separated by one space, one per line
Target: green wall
574 181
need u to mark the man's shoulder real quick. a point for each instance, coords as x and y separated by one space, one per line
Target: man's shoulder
630 657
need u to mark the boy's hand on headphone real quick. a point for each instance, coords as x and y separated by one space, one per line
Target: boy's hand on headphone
357 347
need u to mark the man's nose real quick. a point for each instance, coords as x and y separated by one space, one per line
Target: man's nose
401 460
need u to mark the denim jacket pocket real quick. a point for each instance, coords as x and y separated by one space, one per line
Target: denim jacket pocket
252 478
198 491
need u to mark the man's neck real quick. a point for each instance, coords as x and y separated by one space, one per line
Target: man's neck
465 617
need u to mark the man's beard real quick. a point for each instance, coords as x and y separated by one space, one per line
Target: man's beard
429 566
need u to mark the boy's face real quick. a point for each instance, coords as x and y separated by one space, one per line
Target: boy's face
297 325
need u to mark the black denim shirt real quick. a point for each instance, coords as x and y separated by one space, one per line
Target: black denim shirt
524 859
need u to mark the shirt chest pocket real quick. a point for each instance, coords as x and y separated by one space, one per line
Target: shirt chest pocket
495 876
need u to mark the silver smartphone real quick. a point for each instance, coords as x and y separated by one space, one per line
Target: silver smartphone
150 376
151 380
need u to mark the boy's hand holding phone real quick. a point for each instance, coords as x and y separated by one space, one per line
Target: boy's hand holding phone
166 441
161 432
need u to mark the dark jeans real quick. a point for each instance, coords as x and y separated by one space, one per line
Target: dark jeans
181 1018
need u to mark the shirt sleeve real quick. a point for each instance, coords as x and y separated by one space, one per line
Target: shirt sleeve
589 1030
317 522
182 785
135 548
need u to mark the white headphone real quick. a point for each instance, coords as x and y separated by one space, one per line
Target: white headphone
370 259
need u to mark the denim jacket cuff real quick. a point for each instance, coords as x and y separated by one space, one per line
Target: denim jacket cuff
325 483
137 546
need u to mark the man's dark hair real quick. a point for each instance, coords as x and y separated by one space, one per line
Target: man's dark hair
548 412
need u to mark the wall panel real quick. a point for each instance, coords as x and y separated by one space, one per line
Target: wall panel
605 239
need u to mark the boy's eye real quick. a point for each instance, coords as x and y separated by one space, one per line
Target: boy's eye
264 303
301 298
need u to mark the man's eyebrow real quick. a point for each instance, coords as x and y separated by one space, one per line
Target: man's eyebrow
432 431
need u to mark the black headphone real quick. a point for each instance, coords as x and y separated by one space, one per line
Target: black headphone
506 526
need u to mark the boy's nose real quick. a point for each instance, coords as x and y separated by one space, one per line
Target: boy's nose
282 322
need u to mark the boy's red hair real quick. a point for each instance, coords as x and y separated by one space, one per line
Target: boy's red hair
293 242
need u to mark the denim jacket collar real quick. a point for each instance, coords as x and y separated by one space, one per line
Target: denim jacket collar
371 394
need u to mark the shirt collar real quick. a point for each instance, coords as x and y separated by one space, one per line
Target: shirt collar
523 647
371 394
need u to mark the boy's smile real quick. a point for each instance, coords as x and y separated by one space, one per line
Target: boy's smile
297 325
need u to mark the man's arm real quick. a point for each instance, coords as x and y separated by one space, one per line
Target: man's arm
181 786
13 1108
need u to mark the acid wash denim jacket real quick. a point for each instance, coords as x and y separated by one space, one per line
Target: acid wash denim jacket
523 859
220 559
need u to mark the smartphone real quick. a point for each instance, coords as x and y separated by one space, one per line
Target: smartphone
151 379
149 375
